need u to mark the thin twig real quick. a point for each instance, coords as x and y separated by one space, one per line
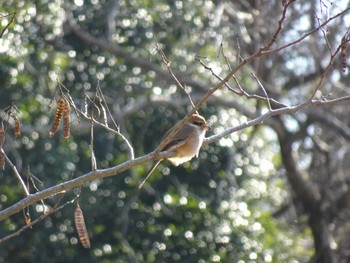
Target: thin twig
54 209
130 148
324 34
292 43
86 115
280 26
32 178
221 51
241 91
13 167
99 92
68 97
13 15
239 57
326 71
93 159
197 58
167 63
263 89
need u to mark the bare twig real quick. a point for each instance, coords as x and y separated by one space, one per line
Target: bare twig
324 32
263 89
241 91
100 94
167 63
292 43
51 211
68 97
239 57
32 179
197 58
326 71
13 15
222 52
14 169
93 159
88 116
280 26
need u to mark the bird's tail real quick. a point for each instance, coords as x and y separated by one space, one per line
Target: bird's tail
149 173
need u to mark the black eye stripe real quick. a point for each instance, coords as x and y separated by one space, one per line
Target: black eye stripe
198 123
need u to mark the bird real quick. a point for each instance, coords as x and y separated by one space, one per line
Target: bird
186 143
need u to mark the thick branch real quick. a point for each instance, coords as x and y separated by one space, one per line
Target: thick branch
93 175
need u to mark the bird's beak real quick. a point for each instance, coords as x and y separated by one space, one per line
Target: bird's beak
208 128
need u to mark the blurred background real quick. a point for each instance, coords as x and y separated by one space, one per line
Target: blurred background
276 192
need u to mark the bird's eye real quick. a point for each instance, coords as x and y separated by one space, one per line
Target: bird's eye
198 123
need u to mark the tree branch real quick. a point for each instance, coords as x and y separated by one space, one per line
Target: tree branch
93 175
99 174
13 15
51 211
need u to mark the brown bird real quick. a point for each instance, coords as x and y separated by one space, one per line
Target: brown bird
186 142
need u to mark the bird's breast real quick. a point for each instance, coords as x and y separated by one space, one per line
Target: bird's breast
188 150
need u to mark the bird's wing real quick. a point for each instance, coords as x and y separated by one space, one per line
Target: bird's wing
179 138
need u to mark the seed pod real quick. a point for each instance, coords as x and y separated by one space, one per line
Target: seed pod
81 228
2 160
58 116
2 134
66 120
27 218
17 128
343 52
